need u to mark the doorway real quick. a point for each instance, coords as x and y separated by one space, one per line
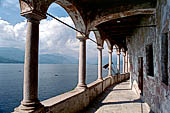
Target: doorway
140 72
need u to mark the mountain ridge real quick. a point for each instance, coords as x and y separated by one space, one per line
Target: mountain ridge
15 55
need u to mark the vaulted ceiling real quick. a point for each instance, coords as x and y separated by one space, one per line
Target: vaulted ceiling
114 19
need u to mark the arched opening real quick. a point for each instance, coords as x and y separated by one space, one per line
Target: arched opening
118 58
105 59
115 59
91 73
58 57
121 60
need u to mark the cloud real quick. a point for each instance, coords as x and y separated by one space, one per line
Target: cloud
58 38
54 36
91 46
12 36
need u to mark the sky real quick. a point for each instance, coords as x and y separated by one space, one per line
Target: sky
55 38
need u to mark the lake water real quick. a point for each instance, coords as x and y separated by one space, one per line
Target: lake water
11 82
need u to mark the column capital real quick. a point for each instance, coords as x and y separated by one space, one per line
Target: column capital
118 52
110 51
82 39
34 14
81 36
33 20
99 48
124 54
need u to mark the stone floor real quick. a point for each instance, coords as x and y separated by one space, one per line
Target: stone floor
118 99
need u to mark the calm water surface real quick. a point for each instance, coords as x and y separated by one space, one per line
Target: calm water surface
11 82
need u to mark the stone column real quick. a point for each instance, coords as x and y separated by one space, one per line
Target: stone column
30 100
124 62
82 63
118 61
100 63
127 63
110 62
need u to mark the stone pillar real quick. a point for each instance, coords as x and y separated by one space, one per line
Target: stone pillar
124 62
110 62
30 100
100 63
118 61
82 63
127 62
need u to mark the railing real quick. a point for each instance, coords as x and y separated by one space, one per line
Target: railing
77 99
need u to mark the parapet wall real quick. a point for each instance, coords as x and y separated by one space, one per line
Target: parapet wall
77 99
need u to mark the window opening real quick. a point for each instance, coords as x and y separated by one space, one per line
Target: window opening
164 58
149 60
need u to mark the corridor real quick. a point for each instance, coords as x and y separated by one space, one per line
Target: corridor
118 99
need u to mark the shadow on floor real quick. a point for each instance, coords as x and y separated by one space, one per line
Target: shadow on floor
97 103
122 102
119 89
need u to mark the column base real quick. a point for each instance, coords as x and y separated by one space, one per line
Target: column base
110 75
99 79
30 107
81 86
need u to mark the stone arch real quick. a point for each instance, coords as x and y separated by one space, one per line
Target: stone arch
98 36
123 50
109 44
112 16
74 13
116 46
38 9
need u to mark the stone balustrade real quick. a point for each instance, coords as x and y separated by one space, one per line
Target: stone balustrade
77 99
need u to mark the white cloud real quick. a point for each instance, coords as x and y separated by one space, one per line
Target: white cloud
12 36
91 46
54 37
58 38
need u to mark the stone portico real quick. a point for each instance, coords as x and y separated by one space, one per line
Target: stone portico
140 28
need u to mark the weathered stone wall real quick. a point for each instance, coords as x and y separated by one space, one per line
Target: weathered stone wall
155 92
74 101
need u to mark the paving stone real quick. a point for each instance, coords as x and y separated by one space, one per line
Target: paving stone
118 99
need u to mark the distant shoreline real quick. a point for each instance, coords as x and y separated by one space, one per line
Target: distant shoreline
42 63
39 63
